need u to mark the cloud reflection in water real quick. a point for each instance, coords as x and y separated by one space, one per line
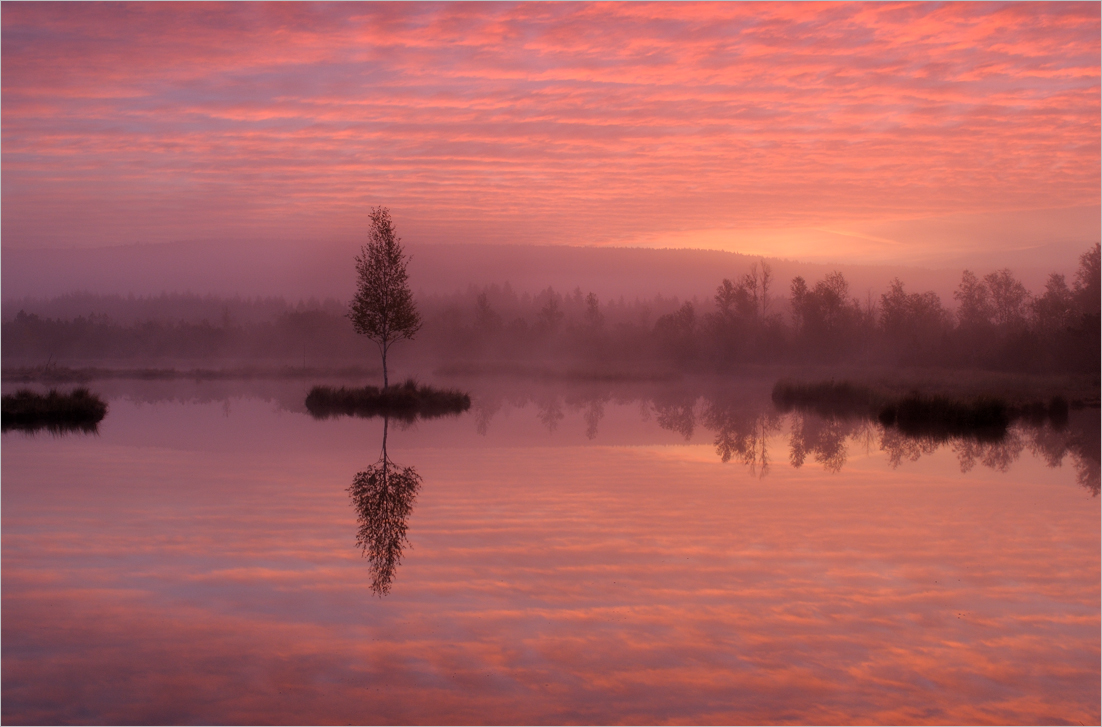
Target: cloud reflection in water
154 575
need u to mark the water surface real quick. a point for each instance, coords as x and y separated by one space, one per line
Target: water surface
574 554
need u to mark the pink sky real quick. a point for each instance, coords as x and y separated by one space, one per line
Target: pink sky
883 132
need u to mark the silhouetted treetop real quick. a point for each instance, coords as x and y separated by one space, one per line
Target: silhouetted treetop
1088 286
382 308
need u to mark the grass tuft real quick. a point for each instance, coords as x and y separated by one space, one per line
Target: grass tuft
79 410
406 401
981 417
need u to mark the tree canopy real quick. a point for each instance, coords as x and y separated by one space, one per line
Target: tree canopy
382 308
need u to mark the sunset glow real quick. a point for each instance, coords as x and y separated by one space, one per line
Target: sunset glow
551 363
622 124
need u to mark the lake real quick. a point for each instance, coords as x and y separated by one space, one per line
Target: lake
620 553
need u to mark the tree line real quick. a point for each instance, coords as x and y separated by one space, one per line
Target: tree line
997 324
992 323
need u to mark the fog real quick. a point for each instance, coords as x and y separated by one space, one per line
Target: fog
746 312
324 269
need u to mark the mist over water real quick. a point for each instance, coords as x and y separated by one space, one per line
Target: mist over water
721 363
626 524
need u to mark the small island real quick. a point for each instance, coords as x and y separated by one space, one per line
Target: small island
383 311
406 401
981 415
79 410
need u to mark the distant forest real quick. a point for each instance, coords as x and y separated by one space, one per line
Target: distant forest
993 323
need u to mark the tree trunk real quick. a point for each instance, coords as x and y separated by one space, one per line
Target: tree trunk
385 384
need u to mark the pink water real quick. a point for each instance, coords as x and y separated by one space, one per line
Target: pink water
196 563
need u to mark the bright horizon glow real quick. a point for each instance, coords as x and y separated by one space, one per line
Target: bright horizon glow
1031 236
814 131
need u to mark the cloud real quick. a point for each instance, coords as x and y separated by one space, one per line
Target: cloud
538 123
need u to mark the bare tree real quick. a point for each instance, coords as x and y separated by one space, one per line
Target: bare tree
975 301
593 317
1009 298
766 280
1087 280
751 284
383 308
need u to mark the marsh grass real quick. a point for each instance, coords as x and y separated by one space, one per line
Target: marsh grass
916 415
406 401
79 410
984 417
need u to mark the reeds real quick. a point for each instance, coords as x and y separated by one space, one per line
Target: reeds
406 401
79 410
983 417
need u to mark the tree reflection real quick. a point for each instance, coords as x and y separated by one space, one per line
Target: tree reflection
997 455
591 401
1087 473
1051 437
594 413
825 438
1077 438
742 421
675 413
383 496
1049 442
550 412
901 446
485 408
742 431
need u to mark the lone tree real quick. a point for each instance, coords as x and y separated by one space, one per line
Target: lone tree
383 308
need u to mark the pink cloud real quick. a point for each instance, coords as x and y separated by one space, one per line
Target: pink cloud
150 123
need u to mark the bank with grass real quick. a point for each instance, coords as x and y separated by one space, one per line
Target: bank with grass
78 410
916 413
408 401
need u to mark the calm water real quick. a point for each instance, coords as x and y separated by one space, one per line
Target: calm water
621 554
